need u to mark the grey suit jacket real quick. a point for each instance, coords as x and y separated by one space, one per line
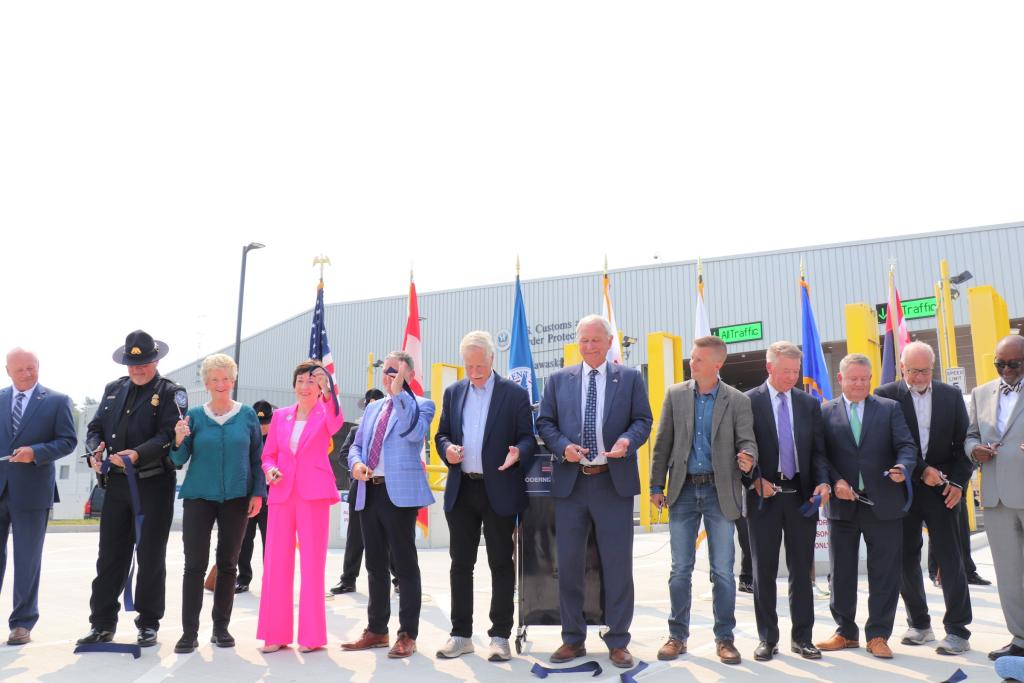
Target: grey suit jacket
732 430
1002 478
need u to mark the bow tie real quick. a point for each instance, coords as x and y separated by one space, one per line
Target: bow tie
1005 389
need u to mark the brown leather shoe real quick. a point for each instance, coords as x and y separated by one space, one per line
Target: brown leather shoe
567 653
727 652
19 636
671 649
880 648
367 640
404 647
837 642
621 658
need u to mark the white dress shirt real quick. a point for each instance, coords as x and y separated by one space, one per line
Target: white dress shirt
600 381
774 393
28 397
296 435
1007 402
923 411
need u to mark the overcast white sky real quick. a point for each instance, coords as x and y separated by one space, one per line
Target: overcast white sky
142 144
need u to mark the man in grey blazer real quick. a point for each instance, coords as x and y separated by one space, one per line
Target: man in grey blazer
705 446
593 418
995 438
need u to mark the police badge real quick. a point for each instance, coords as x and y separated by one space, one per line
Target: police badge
155 401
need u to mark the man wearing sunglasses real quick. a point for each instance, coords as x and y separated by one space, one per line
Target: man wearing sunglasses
994 442
937 418
870 453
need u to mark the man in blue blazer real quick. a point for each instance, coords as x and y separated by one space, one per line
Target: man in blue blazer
871 453
385 459
36 428
486 428
593 417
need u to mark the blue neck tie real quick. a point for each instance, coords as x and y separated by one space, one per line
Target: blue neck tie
16 413
787 451
590 418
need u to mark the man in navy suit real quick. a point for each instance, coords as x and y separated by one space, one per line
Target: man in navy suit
937 418
486 428
593 417
870 453
36 428
791 455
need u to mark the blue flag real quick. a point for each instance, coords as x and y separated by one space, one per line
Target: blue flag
815 371
520 358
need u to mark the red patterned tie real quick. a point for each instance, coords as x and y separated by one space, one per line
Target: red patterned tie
378 436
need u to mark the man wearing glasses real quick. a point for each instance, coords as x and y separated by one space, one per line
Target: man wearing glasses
937 418
870 453
994 441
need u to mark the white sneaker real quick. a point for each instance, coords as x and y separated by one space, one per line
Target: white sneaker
918 636
455 647
498 650
819 592
953 645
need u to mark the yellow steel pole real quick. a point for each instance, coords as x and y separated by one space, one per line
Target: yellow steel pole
664 368
940 330
947 314
369 371
990 322
862 337
441 376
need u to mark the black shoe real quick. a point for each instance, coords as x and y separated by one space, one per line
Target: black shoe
765 650
186 644
745 586
241 588
396 589
976 580
1010 650
343 587
221 638
806 650
147 637
96 636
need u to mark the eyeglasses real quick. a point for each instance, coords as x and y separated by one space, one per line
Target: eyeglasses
1012 364
920 371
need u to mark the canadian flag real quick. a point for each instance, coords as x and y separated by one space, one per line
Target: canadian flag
411 341
411 345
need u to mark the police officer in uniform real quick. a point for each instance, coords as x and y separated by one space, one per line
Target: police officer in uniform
135 421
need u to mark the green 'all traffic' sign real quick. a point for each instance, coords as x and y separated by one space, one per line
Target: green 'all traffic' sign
734 334
912 309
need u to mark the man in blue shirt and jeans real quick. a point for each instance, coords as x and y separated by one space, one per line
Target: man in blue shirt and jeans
706 439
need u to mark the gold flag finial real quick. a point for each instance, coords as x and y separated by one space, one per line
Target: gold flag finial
321 261
517 265
606 264
803 268
700 267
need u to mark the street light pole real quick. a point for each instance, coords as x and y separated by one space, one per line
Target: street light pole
241 297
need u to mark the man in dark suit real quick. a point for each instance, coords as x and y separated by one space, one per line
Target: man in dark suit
937 418
706 440
791 456
134 422
36 429
870 453
593 418
486 428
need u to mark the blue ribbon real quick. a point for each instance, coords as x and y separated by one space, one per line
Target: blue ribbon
541 671
810 508
957 676
121 648
627 677
910 486
133 491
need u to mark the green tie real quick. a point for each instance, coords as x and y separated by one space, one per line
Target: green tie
855 426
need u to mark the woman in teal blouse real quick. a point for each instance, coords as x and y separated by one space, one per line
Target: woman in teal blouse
222 443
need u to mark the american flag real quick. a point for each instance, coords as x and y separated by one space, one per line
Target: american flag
319 349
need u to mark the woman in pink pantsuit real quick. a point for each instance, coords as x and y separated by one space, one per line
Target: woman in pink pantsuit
301 492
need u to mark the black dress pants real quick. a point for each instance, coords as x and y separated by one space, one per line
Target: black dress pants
390 531
249 543
944 542
354 545
117 535
963 538
746 565
197 527
471 510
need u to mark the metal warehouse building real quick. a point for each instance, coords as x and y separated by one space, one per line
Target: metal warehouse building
757 292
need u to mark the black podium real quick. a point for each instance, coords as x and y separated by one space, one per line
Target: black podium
537 557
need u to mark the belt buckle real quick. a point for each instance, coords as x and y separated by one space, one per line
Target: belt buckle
586 469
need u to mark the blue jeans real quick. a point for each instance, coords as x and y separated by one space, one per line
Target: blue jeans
685 514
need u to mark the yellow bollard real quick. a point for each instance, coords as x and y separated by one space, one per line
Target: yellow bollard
862 337
664 368
990 322
441 375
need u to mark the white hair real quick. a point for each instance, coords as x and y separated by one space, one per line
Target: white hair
785 349
219 361
478 339
590 320
917 346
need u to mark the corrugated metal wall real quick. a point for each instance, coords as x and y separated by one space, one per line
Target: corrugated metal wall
738 289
